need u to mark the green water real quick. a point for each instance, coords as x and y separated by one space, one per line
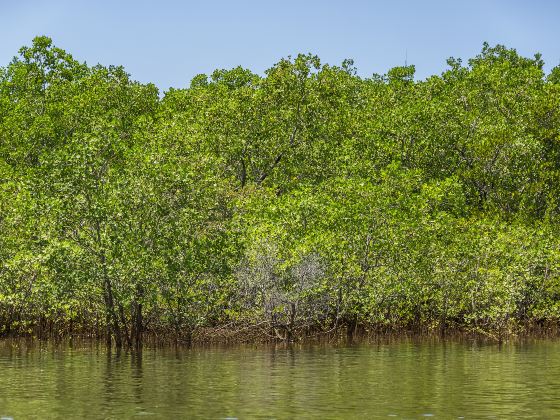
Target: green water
402 379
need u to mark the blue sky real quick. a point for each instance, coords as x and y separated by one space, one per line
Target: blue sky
168 42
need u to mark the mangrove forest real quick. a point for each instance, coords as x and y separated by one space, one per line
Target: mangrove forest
303 201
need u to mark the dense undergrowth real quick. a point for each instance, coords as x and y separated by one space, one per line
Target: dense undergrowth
303 201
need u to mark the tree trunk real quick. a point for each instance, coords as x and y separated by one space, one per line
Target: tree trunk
138 325
112 320
125 326
291 325
137 320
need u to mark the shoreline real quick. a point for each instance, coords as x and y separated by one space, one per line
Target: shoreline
254 335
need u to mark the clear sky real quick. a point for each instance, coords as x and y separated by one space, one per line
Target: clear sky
167 42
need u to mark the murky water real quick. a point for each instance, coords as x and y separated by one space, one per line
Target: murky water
402 379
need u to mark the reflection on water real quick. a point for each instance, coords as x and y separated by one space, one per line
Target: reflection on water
402 379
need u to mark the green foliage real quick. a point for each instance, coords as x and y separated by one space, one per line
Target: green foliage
306 197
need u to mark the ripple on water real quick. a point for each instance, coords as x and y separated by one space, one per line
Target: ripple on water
400 379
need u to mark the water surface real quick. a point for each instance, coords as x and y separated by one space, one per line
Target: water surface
402 379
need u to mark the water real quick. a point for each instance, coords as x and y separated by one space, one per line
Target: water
399 379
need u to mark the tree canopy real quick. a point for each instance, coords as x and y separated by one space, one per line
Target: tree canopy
304 199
